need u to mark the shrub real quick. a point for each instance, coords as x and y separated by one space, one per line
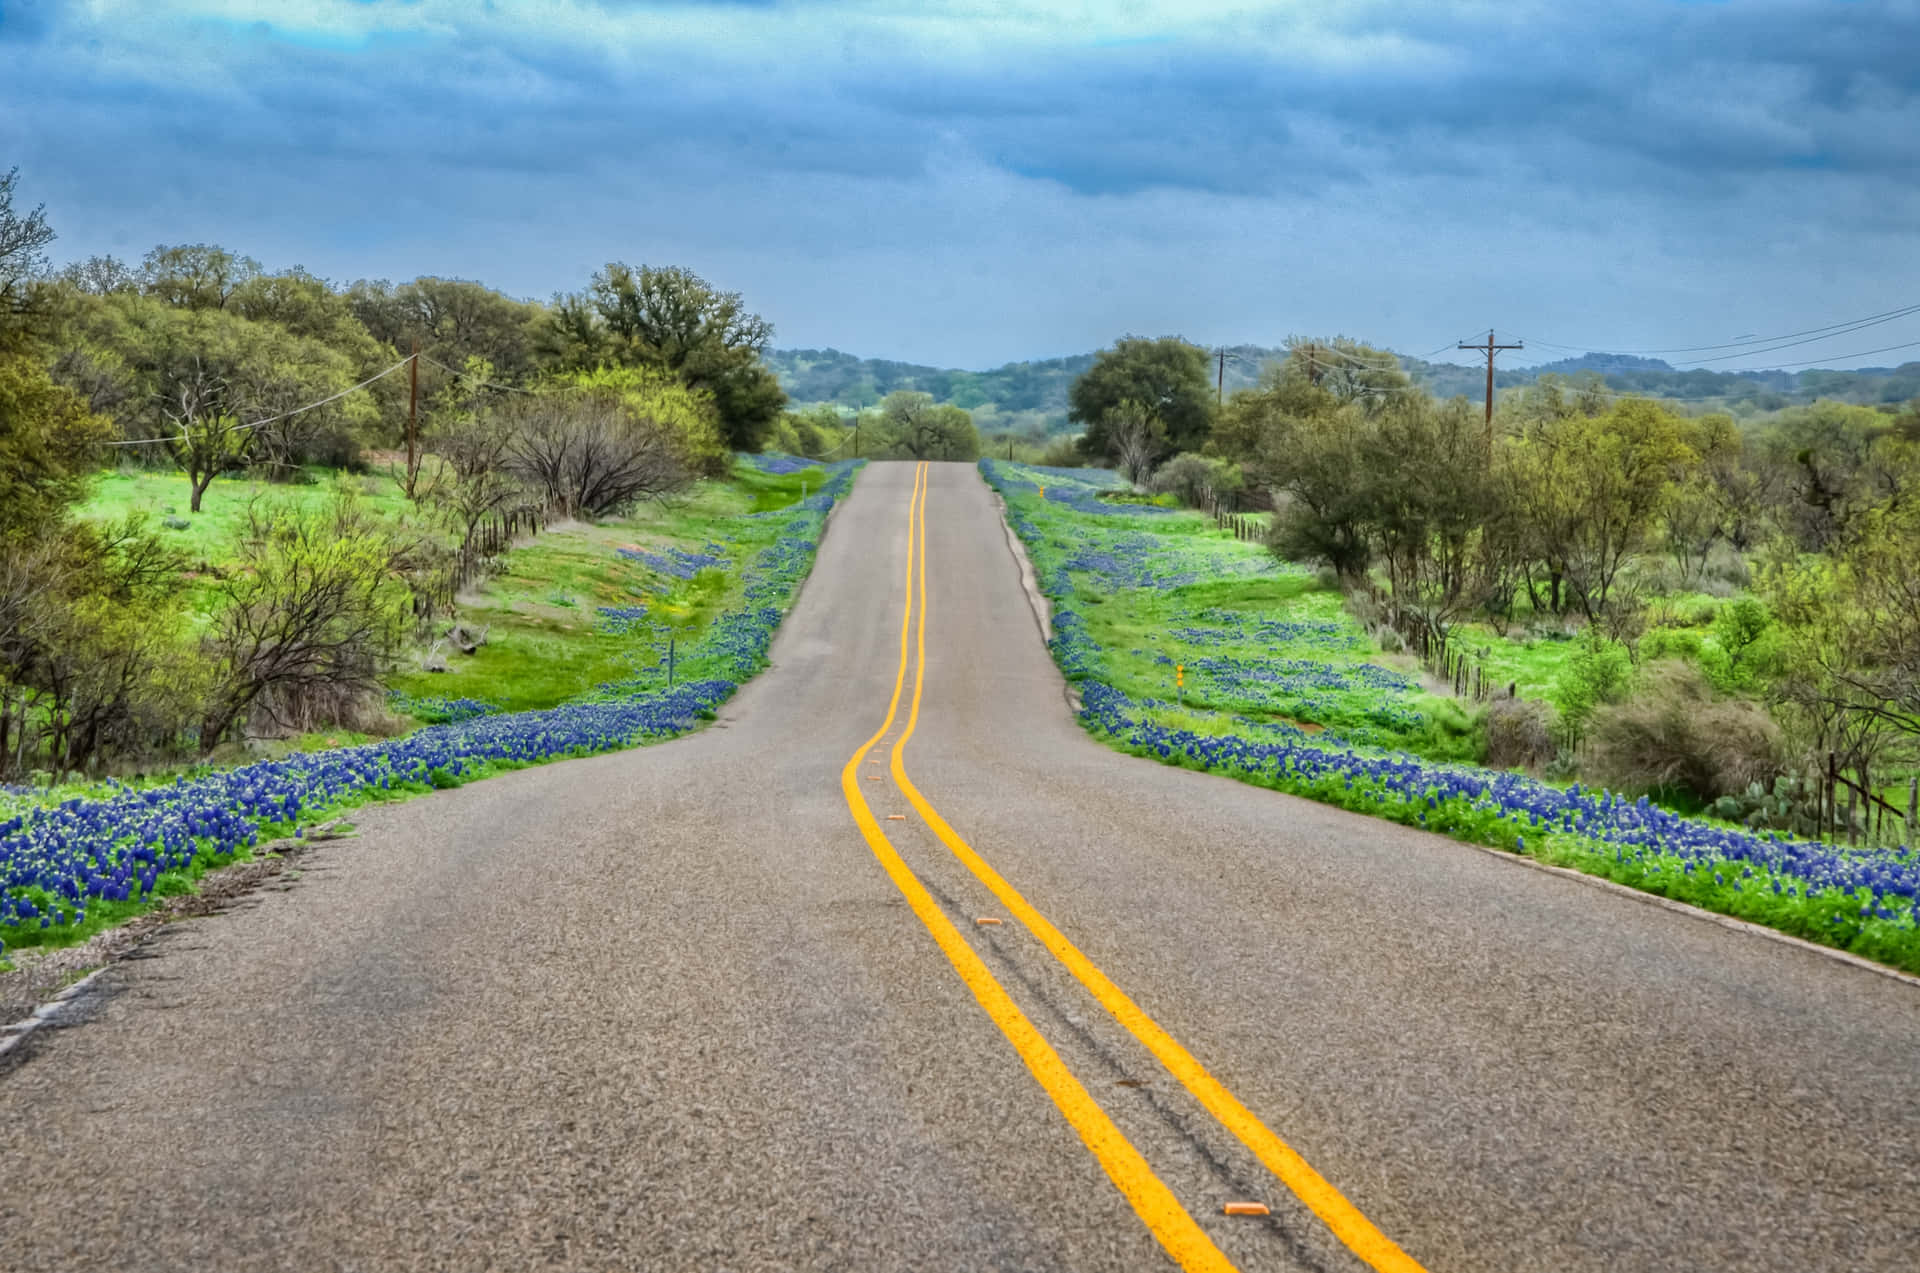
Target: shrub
310 627
1063 453
1519 734
1197 481
593 454
1597 674
1674 735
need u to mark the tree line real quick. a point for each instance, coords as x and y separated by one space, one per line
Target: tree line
114 647
1744 597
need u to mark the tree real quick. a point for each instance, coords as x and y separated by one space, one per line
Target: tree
1197 480
1347 371
321 610
195 275
1320 469
591 454
453 320
1135 437
209 439
671 318
23 262
1436 513
1588 489
100 276
49 442
1168 376
915 426
478 450
1852 626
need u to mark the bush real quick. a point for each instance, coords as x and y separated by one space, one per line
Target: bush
309 628
592 453
1674 735
1063 453
1597 674
1519 734
1196 481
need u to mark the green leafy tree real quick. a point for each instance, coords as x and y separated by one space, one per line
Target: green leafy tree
195 275
1589 488
672 319
49 443
1167 376
914 426
1320 469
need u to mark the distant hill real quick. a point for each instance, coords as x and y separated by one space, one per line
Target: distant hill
1032 396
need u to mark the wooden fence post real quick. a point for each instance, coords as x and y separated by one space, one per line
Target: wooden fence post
1913 813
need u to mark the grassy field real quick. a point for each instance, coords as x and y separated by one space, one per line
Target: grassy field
547 638
1282 688
1213 633
574 665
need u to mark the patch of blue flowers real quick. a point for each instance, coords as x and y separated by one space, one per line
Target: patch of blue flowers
1863 900
56 860
1636 830
1078 489
620 620
678 562
776 463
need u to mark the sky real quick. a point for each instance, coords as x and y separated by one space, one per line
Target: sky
969 182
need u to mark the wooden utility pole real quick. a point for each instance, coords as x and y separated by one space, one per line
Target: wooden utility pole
1220 386
1313 370
413 413
1490 349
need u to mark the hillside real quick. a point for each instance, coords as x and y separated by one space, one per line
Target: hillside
1025 396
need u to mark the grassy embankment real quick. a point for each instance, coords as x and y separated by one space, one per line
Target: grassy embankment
1284 689
574 664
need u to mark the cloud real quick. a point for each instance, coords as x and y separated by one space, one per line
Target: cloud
1129 155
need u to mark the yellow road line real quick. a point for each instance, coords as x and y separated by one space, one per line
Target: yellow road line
1151 1200
1327 1202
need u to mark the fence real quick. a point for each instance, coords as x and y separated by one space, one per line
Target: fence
1874 824
1467 676
1244 528
434 593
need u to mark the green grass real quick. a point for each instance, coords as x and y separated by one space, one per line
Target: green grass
545 645
1145 633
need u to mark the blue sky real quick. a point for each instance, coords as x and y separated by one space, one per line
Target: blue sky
964 182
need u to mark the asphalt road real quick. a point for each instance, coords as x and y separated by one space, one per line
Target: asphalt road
666 1010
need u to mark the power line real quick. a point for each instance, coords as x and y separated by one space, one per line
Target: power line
1861 354
491 384
1790 344
1746 342
254 424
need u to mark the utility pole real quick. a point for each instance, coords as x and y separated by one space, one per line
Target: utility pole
413 412
1220 387
1489 349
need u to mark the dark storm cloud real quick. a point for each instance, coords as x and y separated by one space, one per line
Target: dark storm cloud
821 132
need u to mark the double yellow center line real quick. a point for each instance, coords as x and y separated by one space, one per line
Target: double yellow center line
1150 1198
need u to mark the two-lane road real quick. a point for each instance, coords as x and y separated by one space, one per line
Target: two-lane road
670 1009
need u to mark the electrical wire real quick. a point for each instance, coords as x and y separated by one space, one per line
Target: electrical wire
1746 342
254 424
491 384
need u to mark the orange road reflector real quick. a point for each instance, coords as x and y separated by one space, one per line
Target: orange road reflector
873 777
987 919
896 817
1246 1209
